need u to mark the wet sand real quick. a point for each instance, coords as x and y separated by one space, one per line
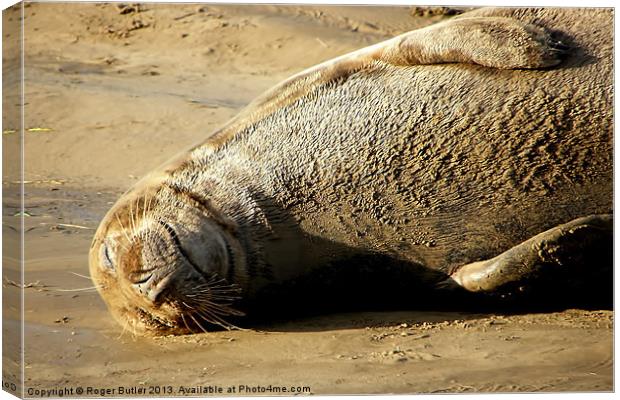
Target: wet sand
112 93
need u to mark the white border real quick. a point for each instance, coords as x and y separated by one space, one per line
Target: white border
521 3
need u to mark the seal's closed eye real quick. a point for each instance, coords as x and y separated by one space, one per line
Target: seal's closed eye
106 260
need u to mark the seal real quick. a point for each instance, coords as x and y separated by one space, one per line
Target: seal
474 154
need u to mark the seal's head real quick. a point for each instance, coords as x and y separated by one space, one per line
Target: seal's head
165 262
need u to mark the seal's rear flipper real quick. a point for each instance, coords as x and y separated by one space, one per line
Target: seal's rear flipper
497 42
573 260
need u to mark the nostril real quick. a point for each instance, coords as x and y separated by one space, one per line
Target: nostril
156 291
141 283
138 281
151 287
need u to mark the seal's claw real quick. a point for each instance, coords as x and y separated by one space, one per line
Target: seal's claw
558 47
448 284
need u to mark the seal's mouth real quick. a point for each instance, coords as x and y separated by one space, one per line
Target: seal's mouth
152 321
209 305
188 298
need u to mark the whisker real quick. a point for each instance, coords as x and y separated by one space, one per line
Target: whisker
122 228
123 331
144 207
216 295
221 291
73 290
211 312
80 275
135 334
135 223
217 320
224 309
217 285
149 204
132 225
185 323
197 323
221 300
215 308
123 246
210 318
221 295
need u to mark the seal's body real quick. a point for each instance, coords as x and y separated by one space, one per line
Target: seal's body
450 170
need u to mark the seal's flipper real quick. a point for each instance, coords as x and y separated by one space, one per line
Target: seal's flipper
572 254
497 42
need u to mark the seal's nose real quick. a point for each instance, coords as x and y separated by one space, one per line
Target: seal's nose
140 284
149 265
152 287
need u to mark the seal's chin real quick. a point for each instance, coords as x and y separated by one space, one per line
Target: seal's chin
144 322
208 307
190 306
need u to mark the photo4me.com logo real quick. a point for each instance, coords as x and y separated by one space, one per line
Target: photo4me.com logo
273 389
